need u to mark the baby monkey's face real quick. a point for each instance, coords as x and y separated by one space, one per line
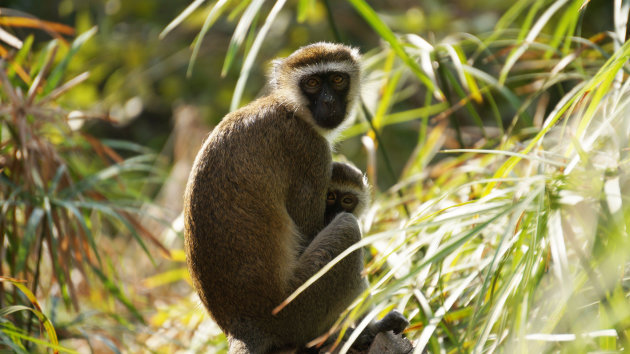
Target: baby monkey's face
348 191
338 201
341 201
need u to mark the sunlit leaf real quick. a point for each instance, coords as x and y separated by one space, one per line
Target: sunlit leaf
58 72
251 55
181 17
381 28
13 21
240 33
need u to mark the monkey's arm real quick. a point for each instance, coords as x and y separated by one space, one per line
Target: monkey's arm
342 232
317 308
321 251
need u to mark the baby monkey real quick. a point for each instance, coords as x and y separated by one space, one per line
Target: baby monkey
349 192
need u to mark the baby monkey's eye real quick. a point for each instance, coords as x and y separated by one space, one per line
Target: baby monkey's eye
348 200
331 198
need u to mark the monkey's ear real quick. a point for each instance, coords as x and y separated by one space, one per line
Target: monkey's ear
274 73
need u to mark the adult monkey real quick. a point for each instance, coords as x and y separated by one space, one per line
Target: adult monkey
255 206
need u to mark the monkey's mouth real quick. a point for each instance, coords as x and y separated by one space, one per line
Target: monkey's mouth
329 116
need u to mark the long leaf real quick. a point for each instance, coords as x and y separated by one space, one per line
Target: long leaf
251 56
55 347
74 210
386 33
181 17
240 33
212 16
58 72
117 293
32 225
50 329
531 36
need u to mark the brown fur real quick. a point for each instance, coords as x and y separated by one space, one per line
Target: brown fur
318 54
254 201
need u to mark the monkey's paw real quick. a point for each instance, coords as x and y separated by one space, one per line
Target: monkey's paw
393 321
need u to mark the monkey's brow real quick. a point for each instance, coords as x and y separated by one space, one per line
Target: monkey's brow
321 68
319 57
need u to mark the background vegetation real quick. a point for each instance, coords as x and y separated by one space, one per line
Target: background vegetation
496 134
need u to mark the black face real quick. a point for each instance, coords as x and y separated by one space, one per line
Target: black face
337 202
327 94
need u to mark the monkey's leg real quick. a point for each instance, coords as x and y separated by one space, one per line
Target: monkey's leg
316 309
322 302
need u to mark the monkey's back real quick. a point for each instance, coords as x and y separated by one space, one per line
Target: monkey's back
253 187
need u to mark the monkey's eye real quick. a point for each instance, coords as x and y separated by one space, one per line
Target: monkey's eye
331 198
349 201
311 82
337 79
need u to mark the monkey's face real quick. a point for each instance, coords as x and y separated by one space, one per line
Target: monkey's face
327 94
337 202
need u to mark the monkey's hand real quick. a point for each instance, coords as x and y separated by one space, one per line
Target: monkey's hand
393 321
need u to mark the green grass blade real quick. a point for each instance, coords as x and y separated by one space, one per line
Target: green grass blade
386 33
115 291
127 145
459 90
468 81
508 153
604 75
139 163
386 100
565 29
512 98
240 33
515 55
416 113
61 170
529 18
508 18
251 55
5 311
32 225
115 215
181 17
212 16
437 318
37 310
601 90
74 210
39 342
20 56
57 73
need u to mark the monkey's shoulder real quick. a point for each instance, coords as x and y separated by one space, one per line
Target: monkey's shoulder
271 123
268 112
263 111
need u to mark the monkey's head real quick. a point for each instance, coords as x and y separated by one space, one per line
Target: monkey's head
321 81
348 191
